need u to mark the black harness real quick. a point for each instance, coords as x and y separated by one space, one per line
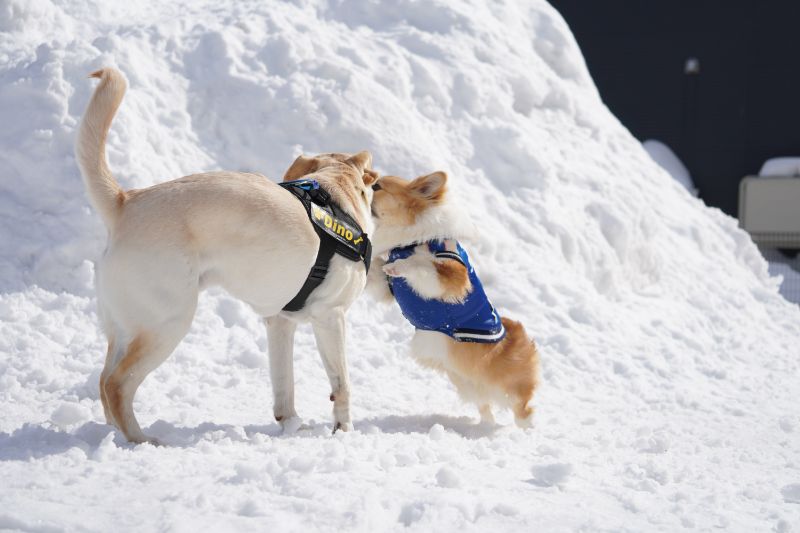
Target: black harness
338 234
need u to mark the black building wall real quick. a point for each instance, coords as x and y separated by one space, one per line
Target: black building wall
741 108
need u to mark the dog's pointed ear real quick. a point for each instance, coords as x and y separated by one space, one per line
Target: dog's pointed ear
302 166
431 187
370 177
360 161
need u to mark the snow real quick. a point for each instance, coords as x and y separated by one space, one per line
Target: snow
551 474
788 268
791 493
781 166
669 161
670 361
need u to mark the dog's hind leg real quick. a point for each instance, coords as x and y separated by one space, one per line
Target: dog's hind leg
111 357
486 414
143 354
330 335
523 412
280 338
468 392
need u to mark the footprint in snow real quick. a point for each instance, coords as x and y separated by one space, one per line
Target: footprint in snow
550 474
791 493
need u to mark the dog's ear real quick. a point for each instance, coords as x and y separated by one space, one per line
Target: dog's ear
302 166
431 187
360 161
370 177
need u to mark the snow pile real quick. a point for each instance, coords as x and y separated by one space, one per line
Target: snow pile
786 265
670 360
669 161
781 167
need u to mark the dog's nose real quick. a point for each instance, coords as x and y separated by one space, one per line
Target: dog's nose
376 187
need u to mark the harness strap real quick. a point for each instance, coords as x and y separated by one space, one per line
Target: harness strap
446 254
327 247
309 192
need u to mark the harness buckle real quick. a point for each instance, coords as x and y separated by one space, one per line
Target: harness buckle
318 272
319 196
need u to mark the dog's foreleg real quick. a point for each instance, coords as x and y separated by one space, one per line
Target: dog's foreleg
432 278
280 336
377 285
330 333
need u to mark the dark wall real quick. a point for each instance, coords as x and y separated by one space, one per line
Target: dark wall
724 121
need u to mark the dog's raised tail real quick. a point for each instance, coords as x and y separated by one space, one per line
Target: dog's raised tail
104 192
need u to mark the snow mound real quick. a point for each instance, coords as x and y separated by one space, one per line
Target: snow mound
669 161
781 166
669 358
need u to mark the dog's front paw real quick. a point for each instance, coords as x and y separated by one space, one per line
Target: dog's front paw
342 426
394 269
341 413
291 425
144 439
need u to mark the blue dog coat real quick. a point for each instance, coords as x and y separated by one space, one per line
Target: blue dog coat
473 320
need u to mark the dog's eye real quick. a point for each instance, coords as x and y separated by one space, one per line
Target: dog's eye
376 187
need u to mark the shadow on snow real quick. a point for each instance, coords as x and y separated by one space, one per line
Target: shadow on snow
33 441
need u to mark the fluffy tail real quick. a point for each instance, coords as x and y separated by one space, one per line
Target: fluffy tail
104 192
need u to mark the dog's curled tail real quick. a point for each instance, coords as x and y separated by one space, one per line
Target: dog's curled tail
104 192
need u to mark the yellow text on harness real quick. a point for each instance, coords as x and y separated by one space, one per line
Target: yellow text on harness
335 227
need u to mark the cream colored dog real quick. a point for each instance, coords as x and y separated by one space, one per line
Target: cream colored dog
236 230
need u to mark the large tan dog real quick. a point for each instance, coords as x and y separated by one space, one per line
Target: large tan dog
236 230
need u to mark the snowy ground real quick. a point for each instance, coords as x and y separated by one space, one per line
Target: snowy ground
787 265
670 362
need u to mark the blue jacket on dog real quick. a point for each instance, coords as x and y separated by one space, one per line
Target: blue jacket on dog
473 320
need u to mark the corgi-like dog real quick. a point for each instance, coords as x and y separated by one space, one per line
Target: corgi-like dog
490 360
236 230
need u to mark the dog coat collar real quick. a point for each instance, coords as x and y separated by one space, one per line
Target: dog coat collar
473 320
338 233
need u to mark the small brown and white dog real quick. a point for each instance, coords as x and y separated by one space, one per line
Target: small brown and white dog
415 241
236 230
